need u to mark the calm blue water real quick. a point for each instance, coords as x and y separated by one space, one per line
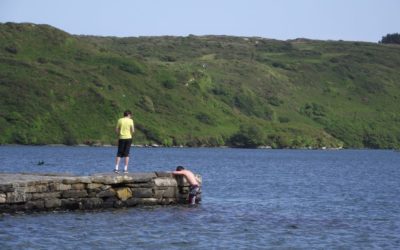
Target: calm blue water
252 199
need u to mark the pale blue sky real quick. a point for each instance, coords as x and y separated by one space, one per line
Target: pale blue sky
356 20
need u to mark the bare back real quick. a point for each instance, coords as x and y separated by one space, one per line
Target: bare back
188 175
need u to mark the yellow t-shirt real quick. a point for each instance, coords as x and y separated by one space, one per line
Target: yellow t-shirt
124 125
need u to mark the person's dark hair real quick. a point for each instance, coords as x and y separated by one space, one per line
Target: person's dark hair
179 168
127 112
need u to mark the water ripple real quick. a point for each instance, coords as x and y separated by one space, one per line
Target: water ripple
253 199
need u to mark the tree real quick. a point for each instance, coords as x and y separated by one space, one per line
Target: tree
391 38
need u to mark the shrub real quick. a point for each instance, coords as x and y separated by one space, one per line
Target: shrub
146 103
168 58
313 110
249 136
167 79
268 114
205 118
11 49
283 119
281 66
245 102
219 90
169 83
273 100
130 67
391 38
168 142
42 60
280 140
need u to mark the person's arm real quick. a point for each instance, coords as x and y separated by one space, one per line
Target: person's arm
118 128
132 128
177 172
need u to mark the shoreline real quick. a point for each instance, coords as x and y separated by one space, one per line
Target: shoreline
183 147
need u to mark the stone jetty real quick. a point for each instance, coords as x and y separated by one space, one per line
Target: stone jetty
28 192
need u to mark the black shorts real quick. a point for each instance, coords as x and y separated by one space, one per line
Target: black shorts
124 145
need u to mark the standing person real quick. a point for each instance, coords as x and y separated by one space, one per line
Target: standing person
194 188
125 129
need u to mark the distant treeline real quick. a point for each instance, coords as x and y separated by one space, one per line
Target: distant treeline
391 38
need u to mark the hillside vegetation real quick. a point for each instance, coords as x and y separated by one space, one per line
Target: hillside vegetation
197 90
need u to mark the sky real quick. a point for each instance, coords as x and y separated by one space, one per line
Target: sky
350 20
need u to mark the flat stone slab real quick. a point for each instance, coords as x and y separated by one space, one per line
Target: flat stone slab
112 178
11 178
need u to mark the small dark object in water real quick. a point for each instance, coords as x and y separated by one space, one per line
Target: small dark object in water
293 226
40 163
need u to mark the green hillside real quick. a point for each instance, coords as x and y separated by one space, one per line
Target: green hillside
197 90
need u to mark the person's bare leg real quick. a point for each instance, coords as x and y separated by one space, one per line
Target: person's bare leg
126 164
117 160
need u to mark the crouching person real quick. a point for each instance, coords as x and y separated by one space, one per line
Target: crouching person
194 188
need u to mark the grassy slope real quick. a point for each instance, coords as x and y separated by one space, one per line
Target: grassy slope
59 88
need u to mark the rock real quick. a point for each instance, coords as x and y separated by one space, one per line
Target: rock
35 205
106 193
92 203
84 179
71 204
78 186
132 202
140 185
59 187
6 188
3 198
168 201
92 194
149 201
107 178
183 190
124 193
93 185
16 196
74 194
50 195
36 188
170 192
141 177
165 182
142 201
105 187
69 180
164 174
74 180
109 202
118 204
143 193
52 203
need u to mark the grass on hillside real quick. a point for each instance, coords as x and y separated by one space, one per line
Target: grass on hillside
195 91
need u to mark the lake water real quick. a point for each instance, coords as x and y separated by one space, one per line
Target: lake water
252 199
